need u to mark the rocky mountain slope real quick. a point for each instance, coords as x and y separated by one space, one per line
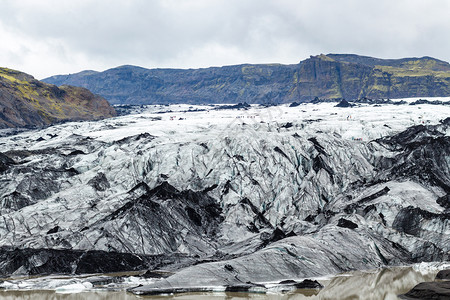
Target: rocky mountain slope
25 101
231 197
332 76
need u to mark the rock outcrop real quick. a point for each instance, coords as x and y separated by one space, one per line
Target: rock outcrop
437 290
325 77
25 102
443 274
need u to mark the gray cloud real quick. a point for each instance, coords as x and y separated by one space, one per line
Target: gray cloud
50 37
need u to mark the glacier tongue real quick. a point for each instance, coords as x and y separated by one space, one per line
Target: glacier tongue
228 196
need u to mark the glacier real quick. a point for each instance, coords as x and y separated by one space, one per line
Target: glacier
228 197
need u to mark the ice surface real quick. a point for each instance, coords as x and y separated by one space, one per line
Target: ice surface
91 186
73 288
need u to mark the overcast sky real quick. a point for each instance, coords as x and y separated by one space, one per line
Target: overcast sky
49 37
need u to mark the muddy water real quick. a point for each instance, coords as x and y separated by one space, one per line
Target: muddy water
377 284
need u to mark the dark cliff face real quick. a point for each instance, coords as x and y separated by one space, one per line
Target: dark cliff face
332 76
323 77
232 84
353 77
25 101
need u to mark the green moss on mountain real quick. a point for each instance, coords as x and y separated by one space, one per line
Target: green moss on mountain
25 101
354 77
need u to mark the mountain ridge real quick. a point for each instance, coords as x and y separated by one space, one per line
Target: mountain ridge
329 77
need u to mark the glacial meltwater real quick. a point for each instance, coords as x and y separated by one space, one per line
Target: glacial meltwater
372 284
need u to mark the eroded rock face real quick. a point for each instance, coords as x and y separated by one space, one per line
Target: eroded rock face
429 290
27 102
224 205
443 275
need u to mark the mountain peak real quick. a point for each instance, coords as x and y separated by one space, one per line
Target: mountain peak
14 76
425 62
25 101
322 56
